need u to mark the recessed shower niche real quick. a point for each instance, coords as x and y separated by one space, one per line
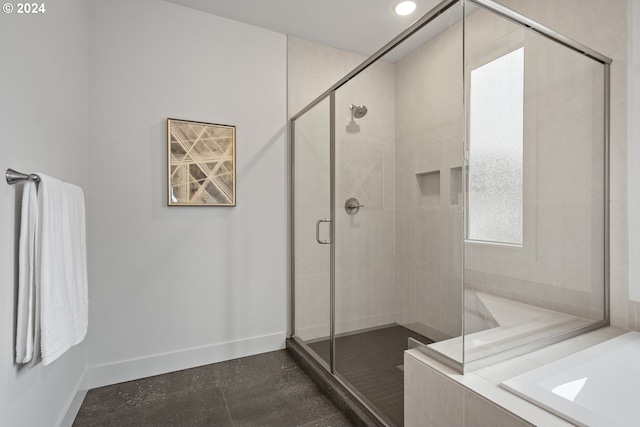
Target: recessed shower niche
455 179
428 189
405 267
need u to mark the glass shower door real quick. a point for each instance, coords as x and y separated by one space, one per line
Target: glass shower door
312 228
398 211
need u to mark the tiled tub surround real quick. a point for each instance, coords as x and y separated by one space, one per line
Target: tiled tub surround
436 395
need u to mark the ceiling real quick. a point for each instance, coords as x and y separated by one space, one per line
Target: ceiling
360 26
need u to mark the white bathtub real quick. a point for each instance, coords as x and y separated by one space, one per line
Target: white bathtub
598 386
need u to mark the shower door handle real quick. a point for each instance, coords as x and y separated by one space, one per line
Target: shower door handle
322 242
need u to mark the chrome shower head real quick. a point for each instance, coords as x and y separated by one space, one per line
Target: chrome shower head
358 111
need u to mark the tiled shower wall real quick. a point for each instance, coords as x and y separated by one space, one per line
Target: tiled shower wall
602 25
428 185
365 169
573 288
427 196
560 265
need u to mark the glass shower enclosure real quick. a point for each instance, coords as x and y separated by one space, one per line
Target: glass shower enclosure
450 193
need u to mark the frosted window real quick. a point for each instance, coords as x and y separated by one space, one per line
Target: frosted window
495 150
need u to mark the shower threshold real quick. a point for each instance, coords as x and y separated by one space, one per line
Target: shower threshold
370 362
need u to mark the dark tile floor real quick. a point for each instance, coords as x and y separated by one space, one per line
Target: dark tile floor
264 390
372 361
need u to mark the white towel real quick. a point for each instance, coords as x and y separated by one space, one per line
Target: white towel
62 276
25 335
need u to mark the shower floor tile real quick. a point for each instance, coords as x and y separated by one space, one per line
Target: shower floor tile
372 362
263 390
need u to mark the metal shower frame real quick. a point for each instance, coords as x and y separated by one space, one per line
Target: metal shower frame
330 93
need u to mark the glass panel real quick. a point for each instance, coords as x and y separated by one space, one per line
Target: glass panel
311 203
428 185
554 281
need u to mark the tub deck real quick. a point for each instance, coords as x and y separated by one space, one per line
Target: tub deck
503 407
598 386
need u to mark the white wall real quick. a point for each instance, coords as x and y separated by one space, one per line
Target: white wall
44 96
173 287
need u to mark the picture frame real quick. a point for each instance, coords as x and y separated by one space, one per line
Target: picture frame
201 163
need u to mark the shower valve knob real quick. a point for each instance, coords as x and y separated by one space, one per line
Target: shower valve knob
352 206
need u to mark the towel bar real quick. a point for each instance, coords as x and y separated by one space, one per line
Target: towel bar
14 177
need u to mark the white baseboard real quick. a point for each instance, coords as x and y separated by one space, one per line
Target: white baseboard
133 369
75 401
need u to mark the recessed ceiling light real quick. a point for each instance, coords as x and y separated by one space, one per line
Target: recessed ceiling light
406 7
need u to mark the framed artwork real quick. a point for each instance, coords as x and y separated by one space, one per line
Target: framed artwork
201 161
